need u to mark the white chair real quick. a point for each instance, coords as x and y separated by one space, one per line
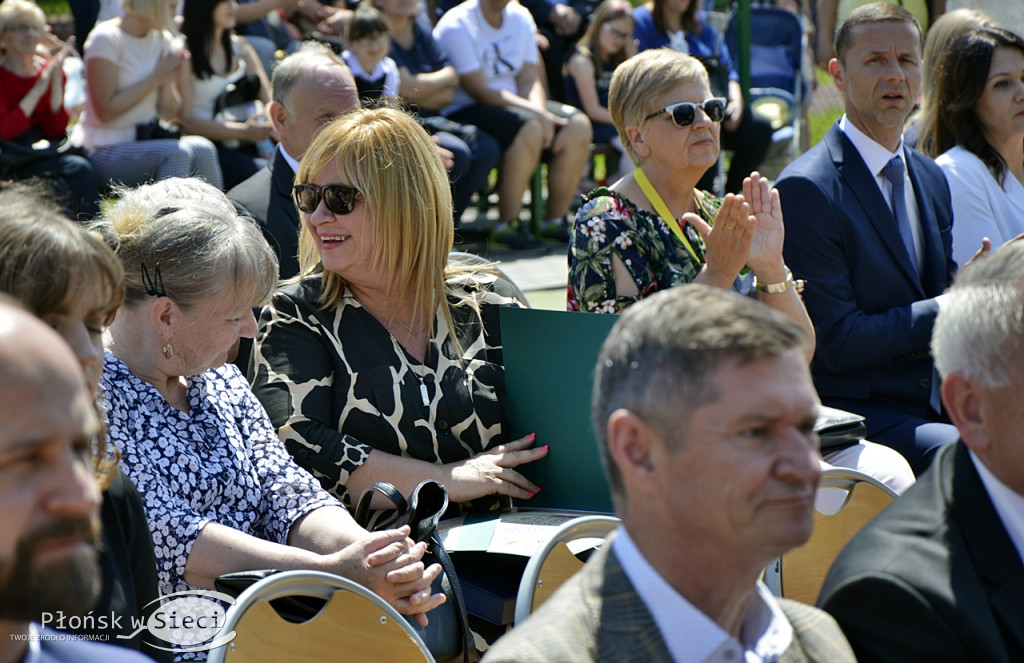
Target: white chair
800 573
553 562
354 625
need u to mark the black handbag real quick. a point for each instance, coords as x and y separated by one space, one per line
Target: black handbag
16 155
447 636
839 429
156 129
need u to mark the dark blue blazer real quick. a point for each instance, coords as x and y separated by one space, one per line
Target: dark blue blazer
873 314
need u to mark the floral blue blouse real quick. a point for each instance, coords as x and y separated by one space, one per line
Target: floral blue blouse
222 463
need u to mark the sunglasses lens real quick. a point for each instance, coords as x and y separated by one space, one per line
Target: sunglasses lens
306 197
715 108
339 198
683 114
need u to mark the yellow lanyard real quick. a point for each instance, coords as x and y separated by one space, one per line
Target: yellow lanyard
662 209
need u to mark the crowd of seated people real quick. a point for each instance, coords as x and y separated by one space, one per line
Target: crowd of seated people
369 305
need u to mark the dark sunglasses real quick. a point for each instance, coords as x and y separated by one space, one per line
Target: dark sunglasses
685 112
339 198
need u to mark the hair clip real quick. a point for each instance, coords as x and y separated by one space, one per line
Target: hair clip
153 286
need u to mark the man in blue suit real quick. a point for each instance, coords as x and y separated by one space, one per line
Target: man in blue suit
868 226
704 411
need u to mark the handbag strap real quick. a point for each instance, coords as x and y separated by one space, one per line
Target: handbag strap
435 546
362 512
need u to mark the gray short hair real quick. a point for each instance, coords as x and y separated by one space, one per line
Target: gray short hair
288 71
979 329
193 234
660 357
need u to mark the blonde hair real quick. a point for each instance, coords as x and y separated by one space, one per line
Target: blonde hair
640 81
390 159
590 43
159 13
12 10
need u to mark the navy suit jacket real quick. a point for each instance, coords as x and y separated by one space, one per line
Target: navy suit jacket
935 577
267 197
873 314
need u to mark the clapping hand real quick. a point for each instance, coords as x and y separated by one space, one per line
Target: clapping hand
727 243
766 250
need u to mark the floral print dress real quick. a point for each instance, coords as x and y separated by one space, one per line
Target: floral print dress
609 225
222 462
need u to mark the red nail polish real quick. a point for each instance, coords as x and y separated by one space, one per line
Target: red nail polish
536 489
531 437
530 494
545 447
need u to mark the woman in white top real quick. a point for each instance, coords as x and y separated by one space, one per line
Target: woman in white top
221 58
979 129
133 69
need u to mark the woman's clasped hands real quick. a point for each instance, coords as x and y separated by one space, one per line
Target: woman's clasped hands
390 563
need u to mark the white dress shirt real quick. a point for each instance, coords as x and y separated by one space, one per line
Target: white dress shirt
691 636
1008 503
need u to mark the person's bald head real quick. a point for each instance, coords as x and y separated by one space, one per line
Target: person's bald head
310 88
49 502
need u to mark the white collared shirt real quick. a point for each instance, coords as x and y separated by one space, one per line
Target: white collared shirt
876 157
289 159
691 636
1008 503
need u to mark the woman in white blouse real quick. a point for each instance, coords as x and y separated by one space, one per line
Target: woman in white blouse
221 58
979 131
134 67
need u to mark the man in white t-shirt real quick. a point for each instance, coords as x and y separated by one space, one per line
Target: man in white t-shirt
491 45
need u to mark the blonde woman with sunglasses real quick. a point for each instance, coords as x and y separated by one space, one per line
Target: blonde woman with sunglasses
381 361
654 229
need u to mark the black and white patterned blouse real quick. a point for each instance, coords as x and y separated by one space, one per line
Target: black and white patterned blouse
221 463
337 385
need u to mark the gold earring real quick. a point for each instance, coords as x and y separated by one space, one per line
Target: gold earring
168 350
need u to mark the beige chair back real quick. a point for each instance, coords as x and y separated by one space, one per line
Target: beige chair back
802 570
354 625
553 562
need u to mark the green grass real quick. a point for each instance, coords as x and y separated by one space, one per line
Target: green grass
54 7
819 123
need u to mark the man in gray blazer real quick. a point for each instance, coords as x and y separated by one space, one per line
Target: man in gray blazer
704 409
939 576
